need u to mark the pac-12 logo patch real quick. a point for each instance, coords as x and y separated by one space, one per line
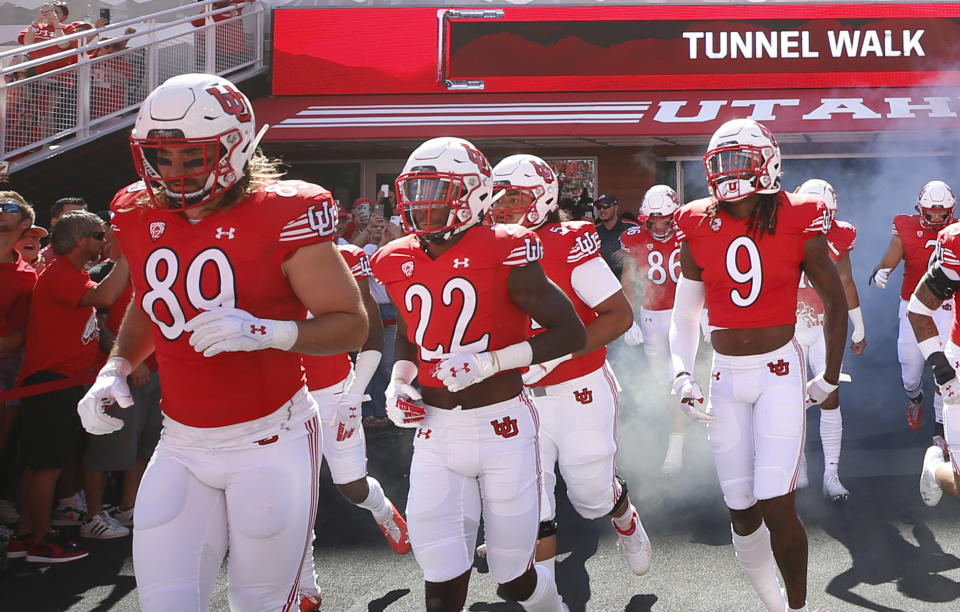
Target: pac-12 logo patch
407 268
716 223
156 229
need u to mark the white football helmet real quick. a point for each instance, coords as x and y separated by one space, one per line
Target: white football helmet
659 204
204 112
743 158
935 198
444 189
537 185
823 190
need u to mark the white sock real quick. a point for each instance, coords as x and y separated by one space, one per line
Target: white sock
544 597
938 407
625 521
376 502
550 564
307 585
756 558
831 432
675 447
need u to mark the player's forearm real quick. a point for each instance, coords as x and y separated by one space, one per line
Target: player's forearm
331 333
134 340
614 317
835 333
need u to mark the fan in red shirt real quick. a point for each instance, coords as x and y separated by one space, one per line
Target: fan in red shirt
914 241
464 292
565 387
226 261
742 251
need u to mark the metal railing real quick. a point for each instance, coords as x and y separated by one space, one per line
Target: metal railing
51 101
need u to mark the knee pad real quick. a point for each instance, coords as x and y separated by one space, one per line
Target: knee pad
259 505
738 494
162 493
592 497
547 529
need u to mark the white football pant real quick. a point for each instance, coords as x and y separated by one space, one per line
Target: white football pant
951 415
347 459
911 360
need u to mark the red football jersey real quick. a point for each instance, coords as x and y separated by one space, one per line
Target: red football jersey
918 250
61 336
949 242
458 302
566 245
17 279
327 370
841 239
658 265
751 280
229 259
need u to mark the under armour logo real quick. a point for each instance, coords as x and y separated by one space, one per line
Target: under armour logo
424 433
258 329
461 263
466 369
269 440
780 368
716 376
506 428
584 396
225 233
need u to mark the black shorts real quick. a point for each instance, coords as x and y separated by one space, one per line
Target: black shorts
51 426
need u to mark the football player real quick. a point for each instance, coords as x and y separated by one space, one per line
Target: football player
576 394
742 251
913 241
841 238
652 267
225 262
938 285
339 385
464 292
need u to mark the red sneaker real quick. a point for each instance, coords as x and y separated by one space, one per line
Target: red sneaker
311 603
18 545
54 548
914 415
395 531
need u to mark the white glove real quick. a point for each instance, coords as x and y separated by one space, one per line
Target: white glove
539 371
633 336
818 390
110 387
460 370
401 408
880 278
346 417
687 390
950 392
231 329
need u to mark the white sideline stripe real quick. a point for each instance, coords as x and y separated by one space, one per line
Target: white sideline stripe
471 108
293 123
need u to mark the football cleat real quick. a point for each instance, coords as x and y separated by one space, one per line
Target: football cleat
930 489
395 531
942 443
914 415
310 603
833 489
635 545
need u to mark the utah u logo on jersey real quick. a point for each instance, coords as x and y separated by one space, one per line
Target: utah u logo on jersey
543 171
322 220
232 102
506 428
584 396
588 243
534 249
780 368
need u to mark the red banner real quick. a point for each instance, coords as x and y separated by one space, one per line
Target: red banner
472 115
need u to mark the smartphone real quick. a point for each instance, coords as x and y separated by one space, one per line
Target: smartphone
384 191
105 14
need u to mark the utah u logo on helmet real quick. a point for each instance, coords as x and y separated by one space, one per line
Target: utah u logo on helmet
479 159
543 171
232 102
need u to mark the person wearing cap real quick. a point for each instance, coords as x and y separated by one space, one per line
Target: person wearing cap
610 226
29 244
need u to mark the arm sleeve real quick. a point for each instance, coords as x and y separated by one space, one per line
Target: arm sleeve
685 324
593 281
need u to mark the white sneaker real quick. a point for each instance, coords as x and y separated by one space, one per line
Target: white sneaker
8 513
673 462
103 527
930 489
635 545
124 517
832 488
802 481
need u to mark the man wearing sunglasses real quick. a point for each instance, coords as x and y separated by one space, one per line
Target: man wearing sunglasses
66 350
610 226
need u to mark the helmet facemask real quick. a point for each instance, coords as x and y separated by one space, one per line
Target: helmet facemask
517 204
935 205
736 171
661 226
433 205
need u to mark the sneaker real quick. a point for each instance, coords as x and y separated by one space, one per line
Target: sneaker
54 548
802 480
635 545
930 489
310 603
914 415
942 443
395 531
70 511
124 517
103 527
18 545
833 489
8 513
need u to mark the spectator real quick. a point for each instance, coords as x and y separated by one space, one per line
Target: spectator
29 245
230 43
356 232
50 424
50 23
27 106
610 226
57 210
17 278
575 210
109 79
